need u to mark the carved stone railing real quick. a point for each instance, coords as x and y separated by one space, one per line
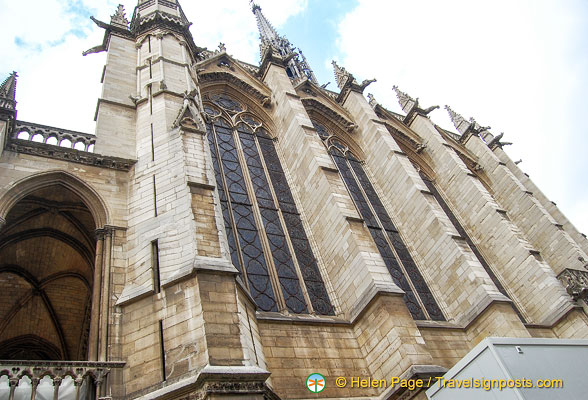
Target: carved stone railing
576 283
54 136
67 380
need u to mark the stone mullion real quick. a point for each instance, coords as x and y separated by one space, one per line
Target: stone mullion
267 251
285 229
387 238
96 293
105 306
12 383
229 207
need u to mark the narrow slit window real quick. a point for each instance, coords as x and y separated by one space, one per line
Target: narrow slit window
154 196
152 144
162 351
155 266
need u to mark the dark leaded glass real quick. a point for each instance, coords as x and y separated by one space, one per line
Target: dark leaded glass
227 103
372 195
277 176
250 248
397 274
306 260
322 132
240 221
279 247
398 261
358 197
308 266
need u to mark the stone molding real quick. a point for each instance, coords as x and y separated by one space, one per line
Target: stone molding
311 105
215 77
414 372
70 155
238 380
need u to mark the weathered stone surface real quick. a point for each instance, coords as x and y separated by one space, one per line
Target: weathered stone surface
123 254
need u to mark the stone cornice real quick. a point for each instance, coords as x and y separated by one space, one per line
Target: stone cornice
418 146
214 77
213 380
114 103
69 155
315 105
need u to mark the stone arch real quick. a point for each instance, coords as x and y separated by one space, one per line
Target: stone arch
236 88
20 189
335 130
49 282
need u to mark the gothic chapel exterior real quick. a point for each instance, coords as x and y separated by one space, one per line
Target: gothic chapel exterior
231 229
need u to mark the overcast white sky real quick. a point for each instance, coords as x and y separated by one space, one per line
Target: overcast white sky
519 66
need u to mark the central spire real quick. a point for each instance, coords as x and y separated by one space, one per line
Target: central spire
297 67
266 30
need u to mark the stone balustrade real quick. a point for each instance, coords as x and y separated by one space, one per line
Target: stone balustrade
54 136
59 380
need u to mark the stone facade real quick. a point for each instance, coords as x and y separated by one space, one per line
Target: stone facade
232 229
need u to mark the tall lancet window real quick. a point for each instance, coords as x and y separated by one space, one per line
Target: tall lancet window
267 240
418 297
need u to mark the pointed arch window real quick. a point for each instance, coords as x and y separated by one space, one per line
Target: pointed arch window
266 237
400 264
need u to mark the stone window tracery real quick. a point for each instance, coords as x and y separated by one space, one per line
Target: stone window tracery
402 268
267 241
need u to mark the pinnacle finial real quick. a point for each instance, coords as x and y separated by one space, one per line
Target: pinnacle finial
8 87
341 75
459 121
254 6
406 102
119 17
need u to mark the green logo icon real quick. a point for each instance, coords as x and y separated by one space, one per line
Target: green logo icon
316 383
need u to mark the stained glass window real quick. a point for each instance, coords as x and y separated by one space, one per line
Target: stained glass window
264 229
400 264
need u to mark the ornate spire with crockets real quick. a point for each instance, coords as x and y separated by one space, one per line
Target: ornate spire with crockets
297 66
266 30
459 122
8 96
406 102
341 75
119 18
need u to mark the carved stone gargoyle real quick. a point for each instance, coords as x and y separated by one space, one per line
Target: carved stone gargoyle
576 283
